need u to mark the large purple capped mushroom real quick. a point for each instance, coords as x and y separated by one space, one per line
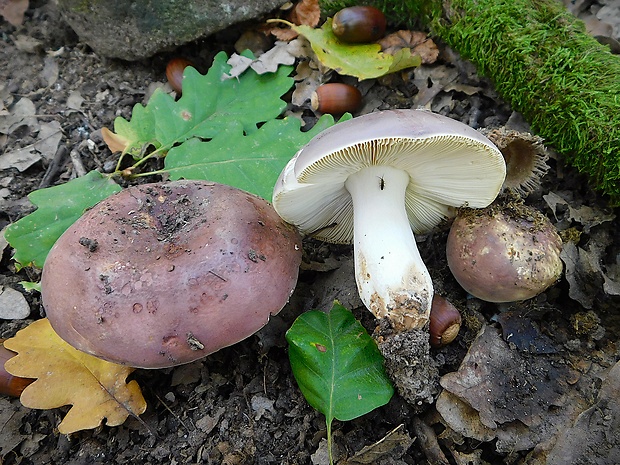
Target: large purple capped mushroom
163 274
374 181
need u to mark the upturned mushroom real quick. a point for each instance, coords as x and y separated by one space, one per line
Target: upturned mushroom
376 180
164 274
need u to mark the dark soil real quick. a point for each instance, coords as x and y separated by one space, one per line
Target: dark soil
241 405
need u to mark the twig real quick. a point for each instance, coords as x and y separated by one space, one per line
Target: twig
428 442
78 166
54 167
172 412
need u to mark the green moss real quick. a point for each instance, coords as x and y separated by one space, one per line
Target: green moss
544 64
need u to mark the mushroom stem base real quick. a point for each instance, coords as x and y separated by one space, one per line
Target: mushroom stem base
392 280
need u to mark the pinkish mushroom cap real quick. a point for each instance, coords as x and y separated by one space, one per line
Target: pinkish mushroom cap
164 274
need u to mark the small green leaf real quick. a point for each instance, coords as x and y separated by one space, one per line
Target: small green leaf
337 365
208 105
364 61
58 208
252 163
30 286
139 132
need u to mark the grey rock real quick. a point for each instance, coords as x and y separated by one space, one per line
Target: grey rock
135 29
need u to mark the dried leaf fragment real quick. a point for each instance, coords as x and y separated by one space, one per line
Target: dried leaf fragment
394 444
65 376
418 42
13 10
282 53
306 12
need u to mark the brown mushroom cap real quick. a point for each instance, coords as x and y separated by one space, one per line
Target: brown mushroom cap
164 274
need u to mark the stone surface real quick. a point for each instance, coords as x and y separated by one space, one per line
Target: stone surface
132 29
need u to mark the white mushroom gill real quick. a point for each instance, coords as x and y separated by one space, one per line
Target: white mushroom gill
392 280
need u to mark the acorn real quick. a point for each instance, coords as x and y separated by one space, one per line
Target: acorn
445 322
174 72
10 385
336 98
359 24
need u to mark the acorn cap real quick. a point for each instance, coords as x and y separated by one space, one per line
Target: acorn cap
526 158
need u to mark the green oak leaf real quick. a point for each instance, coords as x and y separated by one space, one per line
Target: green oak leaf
209 104
250 162
59 207
337 365
363 61
223 130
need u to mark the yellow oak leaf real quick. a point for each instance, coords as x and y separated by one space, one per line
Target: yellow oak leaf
363 61
95 388
114 142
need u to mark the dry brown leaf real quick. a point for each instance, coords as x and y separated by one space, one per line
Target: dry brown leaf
418 42
306 12
283 34
307 78
65 376
13 10
393 444
27 44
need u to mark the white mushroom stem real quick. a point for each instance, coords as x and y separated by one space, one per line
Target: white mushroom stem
392 280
